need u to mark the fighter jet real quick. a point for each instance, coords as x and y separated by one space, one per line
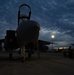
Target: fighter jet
26 32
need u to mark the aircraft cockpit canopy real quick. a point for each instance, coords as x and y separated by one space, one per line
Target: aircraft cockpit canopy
24 12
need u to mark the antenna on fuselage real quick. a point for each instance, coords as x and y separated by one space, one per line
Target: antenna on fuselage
21 15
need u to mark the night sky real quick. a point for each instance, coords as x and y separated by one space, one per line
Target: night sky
54 16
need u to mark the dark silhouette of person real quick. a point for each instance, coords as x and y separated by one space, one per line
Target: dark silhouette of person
70 52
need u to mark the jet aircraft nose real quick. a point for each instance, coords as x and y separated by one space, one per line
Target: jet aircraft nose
27 31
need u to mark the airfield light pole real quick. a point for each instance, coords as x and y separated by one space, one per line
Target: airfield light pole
52 36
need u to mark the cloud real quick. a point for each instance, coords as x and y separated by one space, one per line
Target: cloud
61 38
54 16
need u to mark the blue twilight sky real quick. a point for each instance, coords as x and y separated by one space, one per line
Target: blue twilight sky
54 16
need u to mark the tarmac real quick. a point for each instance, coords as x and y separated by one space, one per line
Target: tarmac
47 64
